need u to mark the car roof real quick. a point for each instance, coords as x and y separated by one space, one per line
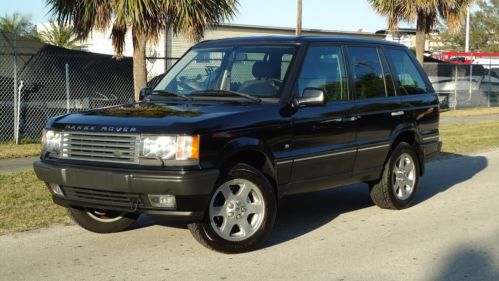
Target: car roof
294 39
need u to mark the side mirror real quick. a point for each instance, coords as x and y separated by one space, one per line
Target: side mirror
144 92
311 97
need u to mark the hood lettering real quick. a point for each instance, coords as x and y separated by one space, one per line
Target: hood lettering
101 129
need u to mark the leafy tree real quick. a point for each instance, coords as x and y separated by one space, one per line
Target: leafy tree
426 14
60 35
18 24
484 30
145 19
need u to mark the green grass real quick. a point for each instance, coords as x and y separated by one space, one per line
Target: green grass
12 150
471 112
469 138
25 203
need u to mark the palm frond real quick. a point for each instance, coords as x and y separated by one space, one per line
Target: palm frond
452 11
61 35
18 24
193 17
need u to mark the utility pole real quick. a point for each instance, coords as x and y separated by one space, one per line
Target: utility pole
467 43
298 19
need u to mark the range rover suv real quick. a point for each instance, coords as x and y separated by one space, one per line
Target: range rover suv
237 124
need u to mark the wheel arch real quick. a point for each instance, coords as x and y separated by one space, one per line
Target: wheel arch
251 151
413 138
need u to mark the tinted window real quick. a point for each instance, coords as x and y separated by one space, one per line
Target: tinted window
324 68
367 72
409 79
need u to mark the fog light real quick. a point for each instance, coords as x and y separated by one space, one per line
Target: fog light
56 189
163 201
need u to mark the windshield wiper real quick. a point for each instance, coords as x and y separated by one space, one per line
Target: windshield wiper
167 93
227 92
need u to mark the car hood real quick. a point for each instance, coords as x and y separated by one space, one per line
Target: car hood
175 117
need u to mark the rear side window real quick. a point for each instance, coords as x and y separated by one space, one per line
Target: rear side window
324 68
409 79
367 72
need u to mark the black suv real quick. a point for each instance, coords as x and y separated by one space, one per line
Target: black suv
237 124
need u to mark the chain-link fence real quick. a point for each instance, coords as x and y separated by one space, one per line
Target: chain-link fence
38 81
465 85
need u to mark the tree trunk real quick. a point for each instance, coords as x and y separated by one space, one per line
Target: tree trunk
421 27
139 63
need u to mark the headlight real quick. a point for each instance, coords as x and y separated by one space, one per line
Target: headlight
51 141
170 147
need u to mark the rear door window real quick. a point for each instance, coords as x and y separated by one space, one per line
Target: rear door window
367 72
406 73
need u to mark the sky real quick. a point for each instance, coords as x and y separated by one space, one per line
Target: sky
344 15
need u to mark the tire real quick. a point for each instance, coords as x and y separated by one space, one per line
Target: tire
101 221
232 226
394 190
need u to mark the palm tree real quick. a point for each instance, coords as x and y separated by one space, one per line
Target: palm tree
426 13
61 36
145 19
18 24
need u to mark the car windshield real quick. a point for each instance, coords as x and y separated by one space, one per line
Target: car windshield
254 71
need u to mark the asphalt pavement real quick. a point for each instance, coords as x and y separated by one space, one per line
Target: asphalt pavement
16 164
452 233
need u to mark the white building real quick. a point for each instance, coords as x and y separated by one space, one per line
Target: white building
407 37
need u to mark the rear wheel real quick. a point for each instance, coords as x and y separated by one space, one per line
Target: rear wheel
399 183
241 212
102 221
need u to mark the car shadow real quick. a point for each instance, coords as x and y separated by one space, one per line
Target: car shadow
301 214
447 171
147 221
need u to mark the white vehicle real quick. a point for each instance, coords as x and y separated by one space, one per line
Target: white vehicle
487 62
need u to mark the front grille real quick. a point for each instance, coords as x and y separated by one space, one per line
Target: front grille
104 147
111 198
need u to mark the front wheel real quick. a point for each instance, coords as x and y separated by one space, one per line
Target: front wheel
399 183
241 213
102 221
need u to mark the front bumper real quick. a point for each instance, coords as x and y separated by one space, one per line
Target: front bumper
127 190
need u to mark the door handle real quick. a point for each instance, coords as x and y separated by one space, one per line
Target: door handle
350 119
397 113
344 119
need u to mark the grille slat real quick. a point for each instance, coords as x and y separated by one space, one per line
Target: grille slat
89 148
98 196
105 147
98 155
100 144
109 139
